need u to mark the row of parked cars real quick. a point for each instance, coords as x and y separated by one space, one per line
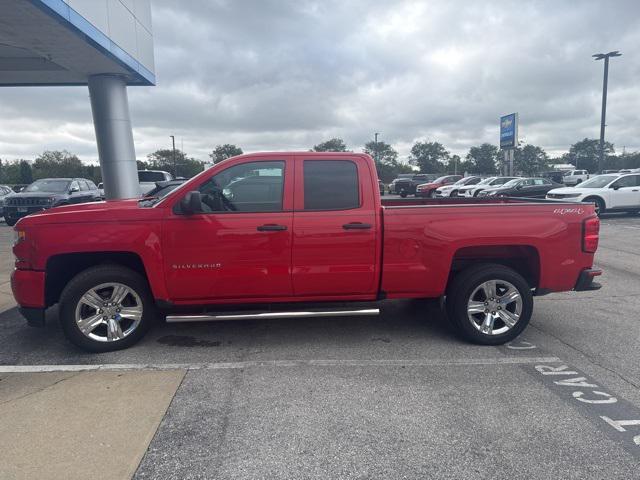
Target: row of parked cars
614 191
53 192
472 186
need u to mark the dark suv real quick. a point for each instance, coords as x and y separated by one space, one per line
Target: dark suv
406 184
47 193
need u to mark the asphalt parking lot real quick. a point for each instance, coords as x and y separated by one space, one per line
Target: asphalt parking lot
395 396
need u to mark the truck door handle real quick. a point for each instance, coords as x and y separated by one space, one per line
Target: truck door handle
271 227
356 226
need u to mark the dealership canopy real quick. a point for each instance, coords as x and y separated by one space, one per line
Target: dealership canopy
105 44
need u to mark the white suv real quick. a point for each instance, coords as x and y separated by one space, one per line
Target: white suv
608 192
575 177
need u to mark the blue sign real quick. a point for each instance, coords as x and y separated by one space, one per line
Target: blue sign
509 131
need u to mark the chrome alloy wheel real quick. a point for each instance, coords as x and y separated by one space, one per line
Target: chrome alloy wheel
494 307
108 312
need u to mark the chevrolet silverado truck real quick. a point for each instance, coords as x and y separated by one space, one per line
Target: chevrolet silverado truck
279 235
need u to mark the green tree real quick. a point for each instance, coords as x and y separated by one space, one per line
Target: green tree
222 152
163 160
57 163
584 154
386 160
331 145
430 157
25 175
483 159
527 160
381 152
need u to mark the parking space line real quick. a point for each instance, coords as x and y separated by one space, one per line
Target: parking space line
279 363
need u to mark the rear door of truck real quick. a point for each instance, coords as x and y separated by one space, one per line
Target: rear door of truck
335 227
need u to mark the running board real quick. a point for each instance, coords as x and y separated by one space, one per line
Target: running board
256 316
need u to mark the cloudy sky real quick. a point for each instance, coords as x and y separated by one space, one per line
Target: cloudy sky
282 75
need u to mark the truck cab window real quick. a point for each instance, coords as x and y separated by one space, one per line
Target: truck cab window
247 187
331 185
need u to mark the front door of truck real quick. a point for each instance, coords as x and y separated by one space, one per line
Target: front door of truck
335 228
239 247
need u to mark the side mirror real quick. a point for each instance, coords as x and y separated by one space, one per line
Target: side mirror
191 203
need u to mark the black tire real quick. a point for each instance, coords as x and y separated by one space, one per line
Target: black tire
600 206
403 194
11 221
91 278
462 287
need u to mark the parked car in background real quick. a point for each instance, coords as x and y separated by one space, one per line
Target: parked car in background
474 190
47 193
522 187
604 172
625 170
555 176
574 177
101 189
453 189
406 184
381 187
429 189
148 179
163 188
610 192
4 192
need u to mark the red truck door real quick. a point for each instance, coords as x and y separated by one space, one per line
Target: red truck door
240 246
334 227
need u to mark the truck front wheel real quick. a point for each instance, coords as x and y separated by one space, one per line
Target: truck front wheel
106 308
489 304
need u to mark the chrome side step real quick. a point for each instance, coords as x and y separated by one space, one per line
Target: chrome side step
255 316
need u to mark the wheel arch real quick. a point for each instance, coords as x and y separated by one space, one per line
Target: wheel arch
593 197
524 259
60 269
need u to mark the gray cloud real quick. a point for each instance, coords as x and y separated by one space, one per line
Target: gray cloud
276 75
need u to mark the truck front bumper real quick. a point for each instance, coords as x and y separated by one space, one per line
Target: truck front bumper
585 280
28 290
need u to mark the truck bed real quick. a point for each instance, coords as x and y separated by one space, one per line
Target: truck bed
425 240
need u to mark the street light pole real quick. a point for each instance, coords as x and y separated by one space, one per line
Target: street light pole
375 142
605 57
175 166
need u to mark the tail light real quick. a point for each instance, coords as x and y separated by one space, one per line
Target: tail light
590 234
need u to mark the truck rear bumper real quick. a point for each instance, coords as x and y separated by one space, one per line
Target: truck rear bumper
585 280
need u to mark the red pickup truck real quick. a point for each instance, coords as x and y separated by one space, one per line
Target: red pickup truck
295 234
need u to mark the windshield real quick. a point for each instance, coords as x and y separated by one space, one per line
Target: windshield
598 182
486 181
440 179
48 186
146 176
464 181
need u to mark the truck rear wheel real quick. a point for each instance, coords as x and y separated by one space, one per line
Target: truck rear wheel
489 304
106 308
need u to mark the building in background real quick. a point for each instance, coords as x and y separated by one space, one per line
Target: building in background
103 44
